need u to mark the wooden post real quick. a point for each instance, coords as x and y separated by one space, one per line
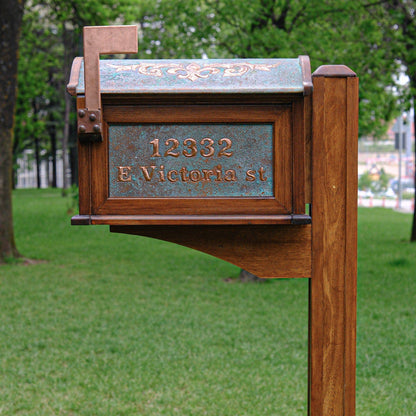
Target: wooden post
332 327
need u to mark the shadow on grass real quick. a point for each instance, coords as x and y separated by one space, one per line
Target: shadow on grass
21 261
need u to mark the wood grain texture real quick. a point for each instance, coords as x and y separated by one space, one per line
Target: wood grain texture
351 249
99 172
298 165
334 257
307 108
266 251
194 113
198 99
84 170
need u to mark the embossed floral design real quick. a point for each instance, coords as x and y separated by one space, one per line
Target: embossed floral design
194 71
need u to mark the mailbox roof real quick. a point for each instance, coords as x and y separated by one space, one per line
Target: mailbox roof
237 76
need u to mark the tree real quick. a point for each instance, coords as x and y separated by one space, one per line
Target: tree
397 19
330 32
66 18
403 20
10 25
53 37
38 85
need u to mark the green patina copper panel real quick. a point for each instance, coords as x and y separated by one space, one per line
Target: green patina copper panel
191 160
203 76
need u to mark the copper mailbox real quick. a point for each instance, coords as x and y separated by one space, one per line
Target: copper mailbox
193 141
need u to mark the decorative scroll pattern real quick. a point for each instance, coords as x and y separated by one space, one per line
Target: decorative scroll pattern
194 71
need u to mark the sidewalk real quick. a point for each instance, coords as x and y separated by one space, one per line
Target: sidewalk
407 205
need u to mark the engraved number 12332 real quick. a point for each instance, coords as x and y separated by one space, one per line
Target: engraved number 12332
190 147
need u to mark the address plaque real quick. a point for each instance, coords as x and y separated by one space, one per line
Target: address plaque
191 160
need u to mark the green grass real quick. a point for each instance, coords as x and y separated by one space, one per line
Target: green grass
386 368
122 325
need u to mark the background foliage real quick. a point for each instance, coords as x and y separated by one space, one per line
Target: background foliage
375 39
368 37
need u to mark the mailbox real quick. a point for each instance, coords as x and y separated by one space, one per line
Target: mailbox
223 156
195 141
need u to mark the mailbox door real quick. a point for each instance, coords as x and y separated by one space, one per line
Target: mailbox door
196 159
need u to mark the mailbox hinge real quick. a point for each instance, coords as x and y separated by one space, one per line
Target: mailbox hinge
300 219
89 126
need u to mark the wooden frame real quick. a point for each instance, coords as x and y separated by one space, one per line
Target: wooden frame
287 205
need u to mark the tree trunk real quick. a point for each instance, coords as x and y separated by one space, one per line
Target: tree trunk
73 158
37 158
65 145
68 43
413 232
52 133
10 24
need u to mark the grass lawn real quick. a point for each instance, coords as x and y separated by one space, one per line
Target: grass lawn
122 325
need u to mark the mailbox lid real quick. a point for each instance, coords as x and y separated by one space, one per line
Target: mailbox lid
206 76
